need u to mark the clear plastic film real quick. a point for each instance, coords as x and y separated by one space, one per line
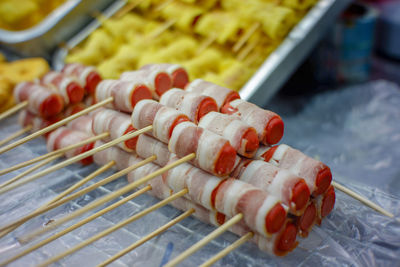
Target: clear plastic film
356 131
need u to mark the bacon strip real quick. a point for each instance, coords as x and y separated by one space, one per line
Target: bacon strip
67 86
213 152
221 95
122 159
87 76
156 79
241 136
63 137
163 119
82 123
26 118
117 124
268 124
178 75
126 94
317 175
193 105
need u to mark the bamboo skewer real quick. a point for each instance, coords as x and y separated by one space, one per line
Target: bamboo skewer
228 249
214 234
116 227
161 29
15 135
12 110
109 197
206 43
83 155
60 196
246 36
127 8
163 5
48 207
246 50
28 171
50 154
55 125
363 200
82 182
77 225
148 237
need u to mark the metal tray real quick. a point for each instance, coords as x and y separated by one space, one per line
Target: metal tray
60 25
276 69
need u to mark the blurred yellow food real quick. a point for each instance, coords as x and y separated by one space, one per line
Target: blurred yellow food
16 15
223 41
15 72
25 69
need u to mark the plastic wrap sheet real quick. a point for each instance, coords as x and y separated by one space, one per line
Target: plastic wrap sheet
356 131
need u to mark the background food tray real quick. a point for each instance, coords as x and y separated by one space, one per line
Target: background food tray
280 64
60 25
352 235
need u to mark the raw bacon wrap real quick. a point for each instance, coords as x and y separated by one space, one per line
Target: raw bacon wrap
67 86
193 105
82 123
261 211
286 186
177 73
148 146
41 100
117 124
316 174
26 118
268 124
121 158
125 93
87 76
221 95
63 137
241 136
163 119
156 79
272 244
213 152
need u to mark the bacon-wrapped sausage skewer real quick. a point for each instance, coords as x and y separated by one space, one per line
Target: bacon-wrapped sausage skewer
317 175
41 100
67 86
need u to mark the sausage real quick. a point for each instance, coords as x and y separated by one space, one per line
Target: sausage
213 152
241 136
68 87
88 77
156 79
177 73
193 105
221 95
269 125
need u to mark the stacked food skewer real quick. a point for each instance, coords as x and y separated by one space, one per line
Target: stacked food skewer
198 149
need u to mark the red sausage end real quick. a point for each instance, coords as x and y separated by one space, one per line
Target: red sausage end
275 219
274 130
